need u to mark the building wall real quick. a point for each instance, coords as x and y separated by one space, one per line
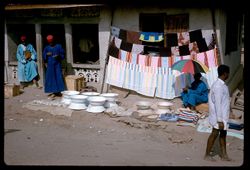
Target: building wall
128 18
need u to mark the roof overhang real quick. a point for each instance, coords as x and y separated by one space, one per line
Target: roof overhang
47 6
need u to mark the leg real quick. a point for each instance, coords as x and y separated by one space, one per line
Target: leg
210 143
222 139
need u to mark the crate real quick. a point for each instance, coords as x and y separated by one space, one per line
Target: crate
74 82
11 90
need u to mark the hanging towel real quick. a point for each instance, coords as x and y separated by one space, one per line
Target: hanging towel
202 45
115 31
183 38
142 60
151 36
165 51
211 58
117 42
172 39
133 37
133 58
193 48
149 49
154 61
113 51
137 48
184 50
123 35
126 46
195 35
212 42
175 51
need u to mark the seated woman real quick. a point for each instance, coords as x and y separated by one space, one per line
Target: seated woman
196 94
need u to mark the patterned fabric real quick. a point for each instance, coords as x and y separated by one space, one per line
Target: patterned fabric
183 38
151 36
115 31
188 117
175 51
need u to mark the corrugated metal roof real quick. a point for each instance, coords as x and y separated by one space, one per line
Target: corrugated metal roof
47 6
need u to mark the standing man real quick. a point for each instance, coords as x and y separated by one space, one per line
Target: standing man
53 54
219 108
27 67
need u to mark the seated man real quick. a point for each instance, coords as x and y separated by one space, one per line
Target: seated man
196 94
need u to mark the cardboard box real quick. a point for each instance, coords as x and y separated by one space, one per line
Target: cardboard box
11 90
74 82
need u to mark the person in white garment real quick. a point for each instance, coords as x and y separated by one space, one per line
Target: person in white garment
219 108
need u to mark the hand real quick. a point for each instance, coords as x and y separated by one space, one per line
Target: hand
185 89
49 53
45 64
221 125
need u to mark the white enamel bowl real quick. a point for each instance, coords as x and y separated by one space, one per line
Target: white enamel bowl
90 94
164 105
110 96
96 104
67 96
78 102
143 105
110 99
96 100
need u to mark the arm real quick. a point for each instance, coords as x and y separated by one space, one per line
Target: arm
200 89
217 97
33 52
20 55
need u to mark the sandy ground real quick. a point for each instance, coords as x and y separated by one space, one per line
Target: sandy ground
40 138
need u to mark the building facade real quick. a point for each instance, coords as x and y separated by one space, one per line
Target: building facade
85 33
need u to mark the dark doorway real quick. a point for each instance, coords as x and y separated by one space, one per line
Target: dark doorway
57 30
14 32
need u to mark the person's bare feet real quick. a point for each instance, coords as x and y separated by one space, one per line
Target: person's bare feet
209 158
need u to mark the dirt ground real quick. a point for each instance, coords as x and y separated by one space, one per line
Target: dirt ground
97 139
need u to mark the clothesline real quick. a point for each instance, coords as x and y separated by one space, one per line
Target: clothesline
172 39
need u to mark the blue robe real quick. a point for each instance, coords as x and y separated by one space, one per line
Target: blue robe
26 69
198 93
54 82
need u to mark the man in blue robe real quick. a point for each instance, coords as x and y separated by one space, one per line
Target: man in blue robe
53 54
196 94
27 70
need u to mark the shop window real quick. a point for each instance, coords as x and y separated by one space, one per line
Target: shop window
14 32
177 23
85 44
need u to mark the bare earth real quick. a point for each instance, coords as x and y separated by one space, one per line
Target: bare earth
40 138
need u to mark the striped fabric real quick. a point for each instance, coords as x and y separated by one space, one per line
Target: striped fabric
152 75
188 117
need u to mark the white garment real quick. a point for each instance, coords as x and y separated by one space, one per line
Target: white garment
219 104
